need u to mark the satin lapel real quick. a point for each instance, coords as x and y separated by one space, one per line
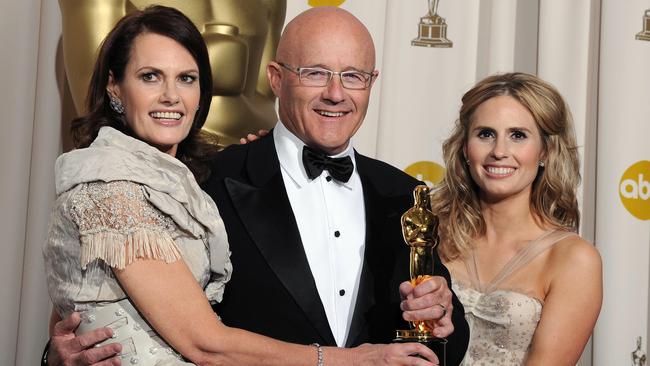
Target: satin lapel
376 215
263 207
366 292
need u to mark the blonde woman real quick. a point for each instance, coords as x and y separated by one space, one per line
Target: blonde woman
531 287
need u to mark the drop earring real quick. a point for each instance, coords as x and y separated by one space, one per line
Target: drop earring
116 105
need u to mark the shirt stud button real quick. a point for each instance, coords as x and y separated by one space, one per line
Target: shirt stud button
328 178
337 233
341 292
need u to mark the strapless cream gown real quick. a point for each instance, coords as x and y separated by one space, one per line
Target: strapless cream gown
501 320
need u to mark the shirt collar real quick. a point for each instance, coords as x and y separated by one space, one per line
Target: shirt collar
289 149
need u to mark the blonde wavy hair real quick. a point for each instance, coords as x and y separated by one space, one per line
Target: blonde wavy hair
553 199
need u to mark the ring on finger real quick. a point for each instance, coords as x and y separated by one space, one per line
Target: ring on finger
444 310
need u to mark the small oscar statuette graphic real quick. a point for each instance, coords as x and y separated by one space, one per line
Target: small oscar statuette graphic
638 356
432 30
644 35
420 231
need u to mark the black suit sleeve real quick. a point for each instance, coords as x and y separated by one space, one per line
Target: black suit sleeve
458 340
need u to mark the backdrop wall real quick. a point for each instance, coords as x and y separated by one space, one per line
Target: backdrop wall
587 48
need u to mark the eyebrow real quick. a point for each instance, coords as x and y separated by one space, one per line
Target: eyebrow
153 68
509 129
321 66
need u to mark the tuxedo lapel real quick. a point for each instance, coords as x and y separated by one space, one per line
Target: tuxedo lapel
263 207
366 291
379 209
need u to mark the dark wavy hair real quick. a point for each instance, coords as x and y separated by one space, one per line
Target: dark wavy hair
198 148
553 195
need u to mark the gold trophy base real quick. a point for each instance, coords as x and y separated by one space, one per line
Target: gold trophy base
427 42
643 36
437 345
412 335
432 32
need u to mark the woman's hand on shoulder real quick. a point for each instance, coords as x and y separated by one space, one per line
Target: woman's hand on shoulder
572 303
252 137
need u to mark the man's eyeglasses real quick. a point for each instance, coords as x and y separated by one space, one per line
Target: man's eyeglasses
315 76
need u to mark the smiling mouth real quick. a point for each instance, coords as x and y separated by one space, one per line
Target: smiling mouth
499 170
166 115
330 114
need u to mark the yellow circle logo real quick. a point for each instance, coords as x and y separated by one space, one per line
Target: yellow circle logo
634 189
426 171
315 3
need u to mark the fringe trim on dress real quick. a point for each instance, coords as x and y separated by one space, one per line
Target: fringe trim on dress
119 250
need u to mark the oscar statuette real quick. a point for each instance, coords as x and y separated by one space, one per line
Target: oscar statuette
241 37
420 231
432 29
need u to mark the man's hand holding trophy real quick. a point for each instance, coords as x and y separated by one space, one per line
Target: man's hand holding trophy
420 231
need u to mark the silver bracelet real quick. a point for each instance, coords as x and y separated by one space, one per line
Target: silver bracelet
319 351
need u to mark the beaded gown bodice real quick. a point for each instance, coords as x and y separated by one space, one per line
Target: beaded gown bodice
502 318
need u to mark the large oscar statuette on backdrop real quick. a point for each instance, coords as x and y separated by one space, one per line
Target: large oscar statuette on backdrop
241 36
420 231
432 30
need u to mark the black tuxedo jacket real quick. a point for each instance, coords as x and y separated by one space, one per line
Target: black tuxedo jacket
272 291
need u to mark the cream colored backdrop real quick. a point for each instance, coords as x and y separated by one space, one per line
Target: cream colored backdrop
623 143
30 33
584 47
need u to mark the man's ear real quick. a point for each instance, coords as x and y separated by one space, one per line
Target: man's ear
275 77
375 75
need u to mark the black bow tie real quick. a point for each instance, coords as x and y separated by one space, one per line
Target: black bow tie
316 161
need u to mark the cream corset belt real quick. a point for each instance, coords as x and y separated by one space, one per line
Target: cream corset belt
140 344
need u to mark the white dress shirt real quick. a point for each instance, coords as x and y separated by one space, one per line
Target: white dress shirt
332 223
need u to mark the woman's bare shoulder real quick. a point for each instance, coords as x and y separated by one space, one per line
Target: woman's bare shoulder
574 253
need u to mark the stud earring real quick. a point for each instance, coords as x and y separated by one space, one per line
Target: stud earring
116 105
467 162
540 164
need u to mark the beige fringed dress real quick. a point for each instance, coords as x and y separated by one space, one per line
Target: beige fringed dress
118 200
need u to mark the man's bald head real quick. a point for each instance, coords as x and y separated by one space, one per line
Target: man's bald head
323 42
328 24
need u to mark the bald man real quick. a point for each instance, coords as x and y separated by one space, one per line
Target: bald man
318 256
314 226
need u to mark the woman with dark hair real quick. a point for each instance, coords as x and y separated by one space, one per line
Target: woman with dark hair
199 147
134 244
531 287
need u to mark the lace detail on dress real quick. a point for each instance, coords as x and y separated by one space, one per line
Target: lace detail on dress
118 225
